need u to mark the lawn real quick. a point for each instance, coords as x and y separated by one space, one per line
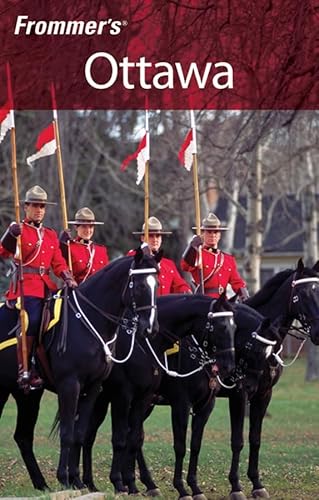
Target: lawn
289 455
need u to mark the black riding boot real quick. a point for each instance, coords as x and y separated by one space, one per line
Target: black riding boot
33 379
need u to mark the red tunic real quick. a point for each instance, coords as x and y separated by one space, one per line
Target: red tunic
87 258
219 270
41 252
170 281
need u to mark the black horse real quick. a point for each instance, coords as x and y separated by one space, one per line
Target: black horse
196 391
290 295
131 386
79 348
254 341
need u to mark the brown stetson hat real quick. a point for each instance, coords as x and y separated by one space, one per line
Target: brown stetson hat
37 195
84 216
212 223
154 227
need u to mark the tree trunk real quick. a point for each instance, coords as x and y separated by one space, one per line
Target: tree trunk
229 237
310 220
254 224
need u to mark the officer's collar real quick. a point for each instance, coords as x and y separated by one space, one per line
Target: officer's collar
83 241
32 223
212 250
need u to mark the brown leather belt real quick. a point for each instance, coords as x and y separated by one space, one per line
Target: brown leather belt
36 270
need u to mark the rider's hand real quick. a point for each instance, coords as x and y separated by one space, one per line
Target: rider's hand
196 241
65 236
69 279
15 229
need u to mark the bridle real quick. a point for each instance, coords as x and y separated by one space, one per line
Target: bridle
294 300
151 281
120 321
205 360
241 369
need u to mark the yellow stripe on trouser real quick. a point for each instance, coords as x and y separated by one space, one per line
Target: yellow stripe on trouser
8 343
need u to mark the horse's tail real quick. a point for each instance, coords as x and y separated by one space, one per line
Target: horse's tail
55 429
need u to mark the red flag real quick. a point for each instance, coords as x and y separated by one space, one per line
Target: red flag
5 120
142 155
185 154
46 144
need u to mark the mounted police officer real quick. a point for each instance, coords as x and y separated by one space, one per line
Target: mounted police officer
87 257
170 280
40 253
219 268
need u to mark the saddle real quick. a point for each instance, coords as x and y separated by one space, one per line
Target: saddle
51 315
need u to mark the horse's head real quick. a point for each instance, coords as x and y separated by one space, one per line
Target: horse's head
219 335
304 301
255 340
140 291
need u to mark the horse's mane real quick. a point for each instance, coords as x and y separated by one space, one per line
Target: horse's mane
109 268
266 292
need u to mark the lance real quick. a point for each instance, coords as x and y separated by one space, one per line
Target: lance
18 255
146 175
197 202
60 169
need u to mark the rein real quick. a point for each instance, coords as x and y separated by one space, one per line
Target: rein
173 373
239 372
304 329
120 321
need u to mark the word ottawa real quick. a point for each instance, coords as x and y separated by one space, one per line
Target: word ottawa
160 75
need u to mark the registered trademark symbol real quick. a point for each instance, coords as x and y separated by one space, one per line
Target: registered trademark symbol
124 23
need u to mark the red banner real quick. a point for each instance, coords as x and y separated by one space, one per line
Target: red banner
109 55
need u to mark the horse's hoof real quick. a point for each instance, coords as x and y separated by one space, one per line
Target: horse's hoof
186 497
155 492
91 487
260 493
237 495
200 496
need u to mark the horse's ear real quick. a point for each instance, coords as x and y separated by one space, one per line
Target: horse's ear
233 299
138 256
221 300
316 267
158 256
300 266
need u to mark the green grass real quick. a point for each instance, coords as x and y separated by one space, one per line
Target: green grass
289 461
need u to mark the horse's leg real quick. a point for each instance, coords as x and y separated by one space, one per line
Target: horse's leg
68 395
120 405
97 418
237 403
27 415
179 414
134 443
199 420
258 407
84 413
4 394
145 475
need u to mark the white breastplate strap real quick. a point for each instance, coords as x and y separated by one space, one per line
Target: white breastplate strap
220 314
304 280
146 270
86 319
